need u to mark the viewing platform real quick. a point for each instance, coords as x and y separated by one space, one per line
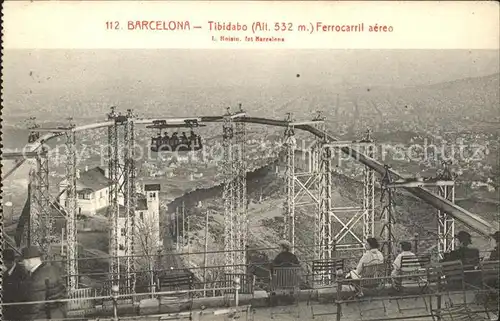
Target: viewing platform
444 291
321 303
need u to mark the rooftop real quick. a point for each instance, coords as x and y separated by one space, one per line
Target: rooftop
94 179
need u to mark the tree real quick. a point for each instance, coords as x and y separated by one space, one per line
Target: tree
148 243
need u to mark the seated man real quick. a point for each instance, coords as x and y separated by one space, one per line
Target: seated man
396 266
174 141
165 139
184 139
371 257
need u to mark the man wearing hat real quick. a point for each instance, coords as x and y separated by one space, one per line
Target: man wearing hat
12 278
44 283
494 255
285 257
468 255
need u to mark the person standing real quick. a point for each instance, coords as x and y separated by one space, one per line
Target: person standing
12 279
44 283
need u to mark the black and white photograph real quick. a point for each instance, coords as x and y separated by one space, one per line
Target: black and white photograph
250 184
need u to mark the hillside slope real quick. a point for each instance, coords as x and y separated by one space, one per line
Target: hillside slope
265 190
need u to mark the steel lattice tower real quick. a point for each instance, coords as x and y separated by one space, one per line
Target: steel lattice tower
323 154
241 192
71 209
129 174
352 225
235 191
446 224
40 211
289 176
300 184
34 230
228 194
326 204
387 214
368 192
113 214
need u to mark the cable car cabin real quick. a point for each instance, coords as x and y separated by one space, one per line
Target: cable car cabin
176 143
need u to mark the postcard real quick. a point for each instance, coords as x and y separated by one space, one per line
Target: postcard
213 160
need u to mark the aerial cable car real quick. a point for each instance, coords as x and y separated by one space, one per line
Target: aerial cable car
176 142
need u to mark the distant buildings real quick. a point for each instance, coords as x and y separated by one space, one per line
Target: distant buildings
93 188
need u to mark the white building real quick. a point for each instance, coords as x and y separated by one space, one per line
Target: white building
93 187
147 221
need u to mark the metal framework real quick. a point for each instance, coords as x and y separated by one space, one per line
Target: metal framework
234 191
444 182
289 177
228 191
368 191
344 222
113 210
387 214
71 210
122 173
241 191
313 187
130 199
42 231
308 184
323 154
446 224
314 183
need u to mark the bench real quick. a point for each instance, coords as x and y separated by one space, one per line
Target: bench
175 281
413 271
487 292
284 282
247 283
370 279
451 282
178 281
412 265
373 279
489 271
324 272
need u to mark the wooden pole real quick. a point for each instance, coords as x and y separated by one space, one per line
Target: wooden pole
205 256
177 228
187 235
183 227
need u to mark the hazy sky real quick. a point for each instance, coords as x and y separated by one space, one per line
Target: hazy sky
44 77
226 67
